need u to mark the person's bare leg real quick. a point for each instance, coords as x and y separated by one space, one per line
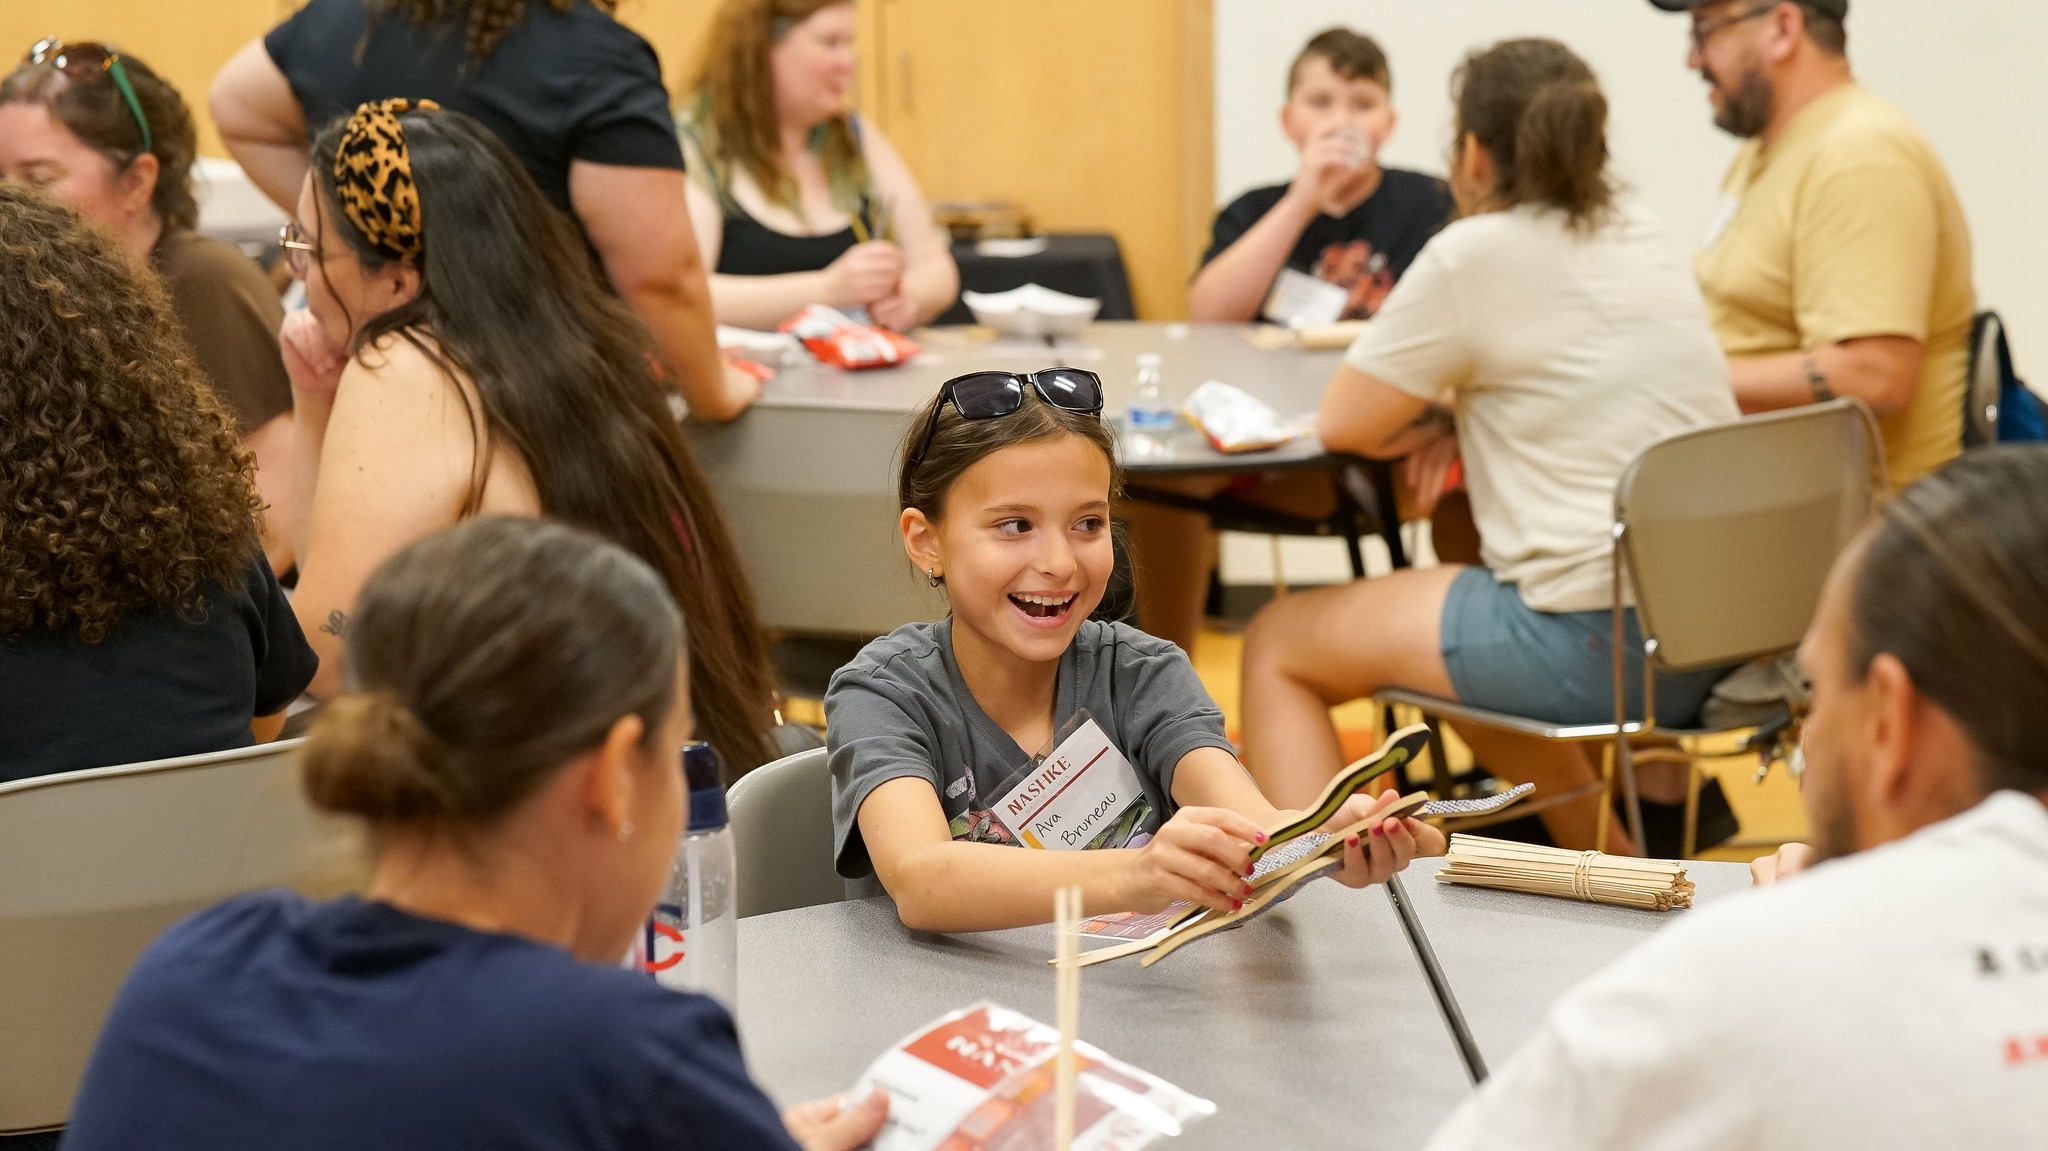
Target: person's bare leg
1172 554
1306 652
1554 768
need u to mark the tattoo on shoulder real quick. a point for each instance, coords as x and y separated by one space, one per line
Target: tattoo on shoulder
336 625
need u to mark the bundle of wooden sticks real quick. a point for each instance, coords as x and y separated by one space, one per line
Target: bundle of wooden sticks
1651 884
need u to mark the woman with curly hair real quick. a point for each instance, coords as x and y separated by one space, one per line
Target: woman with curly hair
575 95
797 200
102 132
138 616
459 357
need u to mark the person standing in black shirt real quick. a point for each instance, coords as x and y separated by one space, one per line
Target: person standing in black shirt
576 96
138 617
1329 244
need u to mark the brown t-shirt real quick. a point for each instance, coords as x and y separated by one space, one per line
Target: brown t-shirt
231 314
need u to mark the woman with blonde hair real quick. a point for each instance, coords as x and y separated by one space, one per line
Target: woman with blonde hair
795 199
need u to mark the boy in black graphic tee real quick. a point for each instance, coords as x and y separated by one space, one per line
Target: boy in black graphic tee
1329 244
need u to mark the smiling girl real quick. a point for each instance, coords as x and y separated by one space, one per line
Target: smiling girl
1018 721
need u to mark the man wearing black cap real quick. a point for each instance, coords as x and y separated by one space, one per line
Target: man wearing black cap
1838 262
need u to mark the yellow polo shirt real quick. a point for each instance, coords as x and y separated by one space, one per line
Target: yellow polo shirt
1847 226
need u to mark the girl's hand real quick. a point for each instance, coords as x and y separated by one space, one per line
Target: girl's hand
1202 855
1385 847
313 363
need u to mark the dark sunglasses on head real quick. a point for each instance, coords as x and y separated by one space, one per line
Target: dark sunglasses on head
89 61
993 395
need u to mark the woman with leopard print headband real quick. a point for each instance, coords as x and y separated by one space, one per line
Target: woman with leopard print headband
460 357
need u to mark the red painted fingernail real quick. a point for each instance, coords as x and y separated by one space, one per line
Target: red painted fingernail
1247 889
1249 868
1262 837
1352 842
1237 905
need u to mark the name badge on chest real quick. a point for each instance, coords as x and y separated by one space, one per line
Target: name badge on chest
1082 794
1299 300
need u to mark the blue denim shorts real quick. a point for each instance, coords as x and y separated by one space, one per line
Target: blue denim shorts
1506 656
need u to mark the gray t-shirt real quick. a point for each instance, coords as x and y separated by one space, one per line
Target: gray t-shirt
900 709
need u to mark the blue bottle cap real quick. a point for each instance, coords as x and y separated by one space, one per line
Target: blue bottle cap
704 775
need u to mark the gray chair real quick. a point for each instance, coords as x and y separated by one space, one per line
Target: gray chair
95 864
782 831
1725 535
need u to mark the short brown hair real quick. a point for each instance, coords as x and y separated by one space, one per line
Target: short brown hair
123 486
1538 111
1825 29
479 661
1954 584
1349 54
96 114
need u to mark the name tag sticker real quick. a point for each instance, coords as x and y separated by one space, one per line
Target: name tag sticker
1299 300
1723 216
1082 794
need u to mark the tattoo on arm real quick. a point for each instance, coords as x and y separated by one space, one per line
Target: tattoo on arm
1435 416
336 625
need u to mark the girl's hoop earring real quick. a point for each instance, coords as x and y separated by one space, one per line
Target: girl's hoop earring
931 577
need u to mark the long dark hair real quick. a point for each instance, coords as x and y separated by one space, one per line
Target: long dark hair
1954 584
95 113
123 487
566 377
1538 111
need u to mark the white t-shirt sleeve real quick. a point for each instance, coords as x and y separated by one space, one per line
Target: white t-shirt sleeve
1637 1057
1418 342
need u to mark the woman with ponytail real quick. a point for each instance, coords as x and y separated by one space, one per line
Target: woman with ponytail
1555 333
458 355
518 702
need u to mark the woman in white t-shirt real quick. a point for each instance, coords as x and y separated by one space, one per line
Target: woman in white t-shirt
1556 335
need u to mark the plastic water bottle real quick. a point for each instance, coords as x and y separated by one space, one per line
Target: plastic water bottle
1148 410
691 943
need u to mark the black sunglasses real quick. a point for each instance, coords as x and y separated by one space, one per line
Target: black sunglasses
88 60
993 395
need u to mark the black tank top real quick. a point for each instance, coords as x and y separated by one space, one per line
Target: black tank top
751 248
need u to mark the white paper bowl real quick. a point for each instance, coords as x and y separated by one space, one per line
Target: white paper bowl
1032 312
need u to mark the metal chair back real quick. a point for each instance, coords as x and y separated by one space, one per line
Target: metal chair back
95 864
782 833
1727 532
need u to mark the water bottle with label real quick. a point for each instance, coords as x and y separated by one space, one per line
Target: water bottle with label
692 941
1147 415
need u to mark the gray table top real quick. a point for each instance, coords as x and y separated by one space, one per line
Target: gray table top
1290 380
1311 1027
1508 956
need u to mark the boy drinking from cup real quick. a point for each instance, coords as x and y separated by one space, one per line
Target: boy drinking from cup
1329 244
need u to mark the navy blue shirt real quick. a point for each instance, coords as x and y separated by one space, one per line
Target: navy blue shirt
165 682
271 1021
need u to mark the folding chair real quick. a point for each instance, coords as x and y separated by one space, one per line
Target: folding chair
782 830
95 864
1725 535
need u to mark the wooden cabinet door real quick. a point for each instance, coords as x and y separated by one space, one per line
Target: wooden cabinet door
1093 115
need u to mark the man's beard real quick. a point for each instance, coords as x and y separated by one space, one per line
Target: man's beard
1745 111
1831 818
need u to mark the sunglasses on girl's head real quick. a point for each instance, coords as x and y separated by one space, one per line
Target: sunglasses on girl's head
993 395
87 61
